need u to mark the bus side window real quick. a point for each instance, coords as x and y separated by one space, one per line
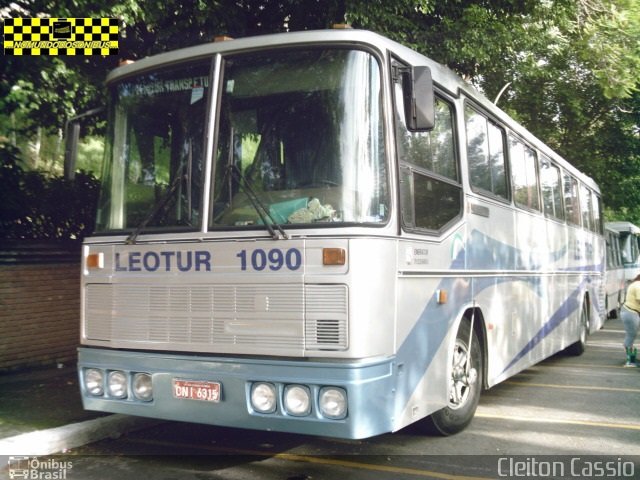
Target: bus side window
486 154
551 189
590 208
571 199
431 193
525 175
585 207
596 225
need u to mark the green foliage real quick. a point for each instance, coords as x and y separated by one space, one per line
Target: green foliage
572 66
37 207
610 45
90 155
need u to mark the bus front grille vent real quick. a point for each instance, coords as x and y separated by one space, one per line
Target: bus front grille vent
328 334
243 318
326 317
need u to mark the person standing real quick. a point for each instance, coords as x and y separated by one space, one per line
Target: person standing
630 315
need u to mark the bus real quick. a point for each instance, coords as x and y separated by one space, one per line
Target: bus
614 274
325 233
629 237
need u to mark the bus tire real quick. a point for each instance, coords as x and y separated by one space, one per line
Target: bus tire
464 388
578 347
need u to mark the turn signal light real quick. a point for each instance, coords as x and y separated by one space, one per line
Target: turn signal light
334 256
95 260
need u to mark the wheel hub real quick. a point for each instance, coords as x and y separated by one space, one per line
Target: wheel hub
463 377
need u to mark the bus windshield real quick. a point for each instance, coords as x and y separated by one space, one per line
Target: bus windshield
299 142
154 156
303 130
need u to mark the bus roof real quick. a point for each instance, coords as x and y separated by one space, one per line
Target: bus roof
623 227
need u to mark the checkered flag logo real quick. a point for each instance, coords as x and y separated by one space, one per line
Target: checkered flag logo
60 36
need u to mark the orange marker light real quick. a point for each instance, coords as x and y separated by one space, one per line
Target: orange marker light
442 296
95 260
334 256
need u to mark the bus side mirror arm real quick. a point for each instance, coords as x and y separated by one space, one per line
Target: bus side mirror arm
421 112
72 138
72 134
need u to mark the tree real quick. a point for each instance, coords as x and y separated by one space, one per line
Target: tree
572 67
572 72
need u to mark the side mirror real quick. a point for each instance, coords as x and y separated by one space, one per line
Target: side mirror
420 109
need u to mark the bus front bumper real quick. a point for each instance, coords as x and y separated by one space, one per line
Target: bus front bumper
262 394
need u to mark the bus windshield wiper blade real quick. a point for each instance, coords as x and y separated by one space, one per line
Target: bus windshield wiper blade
258 205
131 239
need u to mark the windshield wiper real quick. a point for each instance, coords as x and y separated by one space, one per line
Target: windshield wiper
258 205
131 239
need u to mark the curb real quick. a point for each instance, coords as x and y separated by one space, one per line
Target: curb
60 439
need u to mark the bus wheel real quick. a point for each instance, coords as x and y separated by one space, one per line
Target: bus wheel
465 385
580 345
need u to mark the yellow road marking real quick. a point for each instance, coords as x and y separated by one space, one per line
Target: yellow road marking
293 457
544 365
573 387
372 467
558 420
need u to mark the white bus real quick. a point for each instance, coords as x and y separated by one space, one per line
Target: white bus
326 233
615 273
629 247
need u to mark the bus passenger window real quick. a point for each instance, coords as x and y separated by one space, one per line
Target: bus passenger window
525 175
425 192
597 226
485 153
571 199
586 206
431 194
551 189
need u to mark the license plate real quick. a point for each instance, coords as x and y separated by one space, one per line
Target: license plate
196 390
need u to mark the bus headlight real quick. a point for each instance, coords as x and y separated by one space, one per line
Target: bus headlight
94 381
333 403
142 387
297 400
117 384
263 397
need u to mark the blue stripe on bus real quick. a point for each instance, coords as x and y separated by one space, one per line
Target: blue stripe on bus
568 306
420 346
481 252
571 304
